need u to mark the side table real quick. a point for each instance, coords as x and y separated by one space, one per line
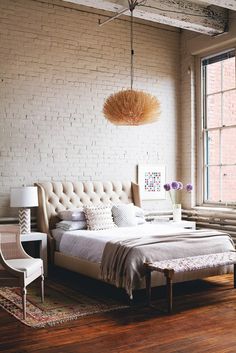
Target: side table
183 224
42 239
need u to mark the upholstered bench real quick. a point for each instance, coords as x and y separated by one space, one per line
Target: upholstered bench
187 264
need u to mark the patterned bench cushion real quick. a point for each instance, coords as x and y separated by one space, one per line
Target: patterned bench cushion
194 263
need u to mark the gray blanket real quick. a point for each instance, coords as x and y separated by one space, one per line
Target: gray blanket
122 261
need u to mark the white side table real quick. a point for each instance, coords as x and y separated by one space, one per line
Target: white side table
183 224
42 239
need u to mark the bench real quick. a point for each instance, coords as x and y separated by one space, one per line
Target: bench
186 264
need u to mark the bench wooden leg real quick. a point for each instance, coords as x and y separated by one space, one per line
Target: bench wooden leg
234 275
169 287
169 294
148 286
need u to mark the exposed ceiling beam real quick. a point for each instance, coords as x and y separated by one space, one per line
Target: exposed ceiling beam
204 19
228 4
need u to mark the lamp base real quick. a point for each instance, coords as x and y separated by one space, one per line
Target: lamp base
24 220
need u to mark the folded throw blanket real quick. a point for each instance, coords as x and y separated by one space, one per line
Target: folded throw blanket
122 261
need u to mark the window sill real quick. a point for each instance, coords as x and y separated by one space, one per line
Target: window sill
215 209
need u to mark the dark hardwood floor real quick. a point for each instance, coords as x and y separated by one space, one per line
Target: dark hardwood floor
204 320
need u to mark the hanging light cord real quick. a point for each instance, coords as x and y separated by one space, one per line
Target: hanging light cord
132 5
132 50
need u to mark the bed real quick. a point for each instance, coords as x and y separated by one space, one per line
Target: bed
169 241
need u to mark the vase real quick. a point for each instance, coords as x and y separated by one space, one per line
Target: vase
177 212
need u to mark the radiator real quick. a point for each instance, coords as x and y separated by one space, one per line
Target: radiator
224 221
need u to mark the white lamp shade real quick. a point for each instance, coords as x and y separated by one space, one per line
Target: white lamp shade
25 196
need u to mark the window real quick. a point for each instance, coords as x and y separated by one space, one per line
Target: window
219 128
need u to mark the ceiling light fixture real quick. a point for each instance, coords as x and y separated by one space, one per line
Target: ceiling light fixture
131 107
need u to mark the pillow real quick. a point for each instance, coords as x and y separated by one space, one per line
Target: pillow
99 217
71 225
140 220
138 211
75 214
124 215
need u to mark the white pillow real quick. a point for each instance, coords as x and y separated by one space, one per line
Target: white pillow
72 225
138 211
98 217
140 220
124 215
75 214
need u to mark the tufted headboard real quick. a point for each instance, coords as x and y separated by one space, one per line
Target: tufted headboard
57 196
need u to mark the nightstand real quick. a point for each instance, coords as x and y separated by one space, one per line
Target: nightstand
183 224
42 239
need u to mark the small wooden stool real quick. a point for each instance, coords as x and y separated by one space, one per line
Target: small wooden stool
186 264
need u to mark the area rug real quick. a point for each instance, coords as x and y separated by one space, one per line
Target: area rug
61 304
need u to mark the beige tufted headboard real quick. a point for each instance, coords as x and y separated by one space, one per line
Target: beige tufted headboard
57 196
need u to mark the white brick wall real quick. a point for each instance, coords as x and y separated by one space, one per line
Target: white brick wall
188 121
57 66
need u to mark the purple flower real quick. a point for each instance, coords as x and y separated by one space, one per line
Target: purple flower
167 187
189 187
180 185
175 185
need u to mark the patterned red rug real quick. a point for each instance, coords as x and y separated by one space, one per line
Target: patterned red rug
61 304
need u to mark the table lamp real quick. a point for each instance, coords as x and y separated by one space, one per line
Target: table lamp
24 197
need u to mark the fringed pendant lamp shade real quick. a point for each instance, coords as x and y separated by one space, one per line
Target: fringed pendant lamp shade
131 107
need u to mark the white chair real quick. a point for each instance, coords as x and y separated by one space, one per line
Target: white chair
17 268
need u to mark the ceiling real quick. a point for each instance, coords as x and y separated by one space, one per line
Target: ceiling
203 16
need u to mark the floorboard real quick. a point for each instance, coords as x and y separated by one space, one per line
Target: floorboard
203 321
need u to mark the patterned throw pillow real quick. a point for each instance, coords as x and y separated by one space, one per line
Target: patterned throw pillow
98 217
124 215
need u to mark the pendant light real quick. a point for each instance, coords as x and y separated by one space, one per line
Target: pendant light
131 107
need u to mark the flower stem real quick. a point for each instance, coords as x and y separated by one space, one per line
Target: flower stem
171 197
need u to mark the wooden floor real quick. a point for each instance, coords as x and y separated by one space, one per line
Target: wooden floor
204 321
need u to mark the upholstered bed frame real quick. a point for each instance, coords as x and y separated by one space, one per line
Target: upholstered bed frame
57 196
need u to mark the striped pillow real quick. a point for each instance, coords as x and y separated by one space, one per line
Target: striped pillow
98 217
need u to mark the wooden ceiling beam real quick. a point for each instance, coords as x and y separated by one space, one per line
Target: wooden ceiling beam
211 20
227 4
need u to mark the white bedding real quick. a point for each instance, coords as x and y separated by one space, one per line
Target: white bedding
89 245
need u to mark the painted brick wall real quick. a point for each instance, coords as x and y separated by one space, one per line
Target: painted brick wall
188 121
57 66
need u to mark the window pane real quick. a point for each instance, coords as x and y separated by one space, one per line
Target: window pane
229 108
219 126
228 67
229 184
228 146
212 152
213 184
214 110
213 78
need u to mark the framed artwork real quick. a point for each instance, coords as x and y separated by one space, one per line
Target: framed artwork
151 178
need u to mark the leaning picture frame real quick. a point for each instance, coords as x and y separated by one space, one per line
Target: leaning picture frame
151 178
